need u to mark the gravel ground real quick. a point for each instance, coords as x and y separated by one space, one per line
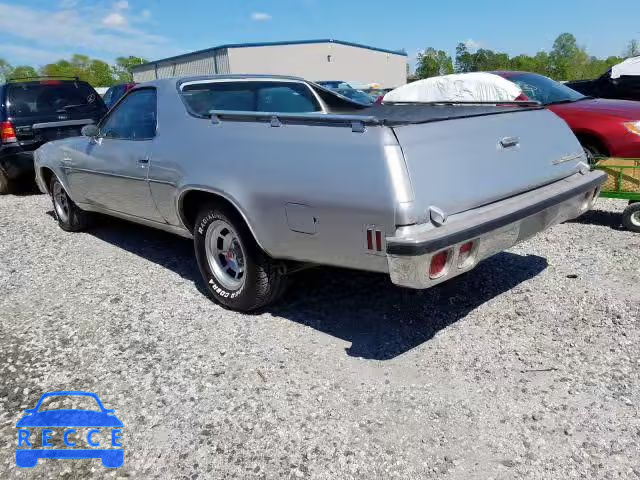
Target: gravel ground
528 367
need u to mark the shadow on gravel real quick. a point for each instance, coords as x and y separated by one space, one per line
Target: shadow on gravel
380 320
383 321
25 188
602 218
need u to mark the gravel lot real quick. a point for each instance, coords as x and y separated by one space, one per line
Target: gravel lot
528 367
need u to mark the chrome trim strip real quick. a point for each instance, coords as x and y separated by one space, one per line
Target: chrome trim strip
65 123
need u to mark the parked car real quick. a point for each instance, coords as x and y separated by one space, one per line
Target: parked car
355 95
609 128
34 111
472 87
115 93
621 82
334 84
421 193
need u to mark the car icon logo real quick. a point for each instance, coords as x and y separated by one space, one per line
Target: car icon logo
103 429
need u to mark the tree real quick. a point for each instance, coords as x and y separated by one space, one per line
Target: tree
123 67
23 71
633 49
566 58
100 74
5 70
432 63
464 60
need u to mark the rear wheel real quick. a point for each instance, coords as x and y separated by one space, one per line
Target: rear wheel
5 183
238 274
70 217
631 217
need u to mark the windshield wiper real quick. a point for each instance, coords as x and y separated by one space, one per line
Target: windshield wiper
69 107
559 102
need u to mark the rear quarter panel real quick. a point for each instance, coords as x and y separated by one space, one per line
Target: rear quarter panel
338 174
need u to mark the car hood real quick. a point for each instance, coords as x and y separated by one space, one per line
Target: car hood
623 109
69 418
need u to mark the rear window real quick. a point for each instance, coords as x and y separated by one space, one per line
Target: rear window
250 97
51 97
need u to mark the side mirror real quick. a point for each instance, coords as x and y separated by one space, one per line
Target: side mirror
90 130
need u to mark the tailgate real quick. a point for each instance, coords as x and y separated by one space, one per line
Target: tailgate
464 163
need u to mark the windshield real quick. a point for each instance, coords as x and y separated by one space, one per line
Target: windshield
543 89
355 95
52 97
334 84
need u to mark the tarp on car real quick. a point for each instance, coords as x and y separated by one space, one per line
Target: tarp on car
461 87
631 67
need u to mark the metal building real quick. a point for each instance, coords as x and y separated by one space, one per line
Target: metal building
311 59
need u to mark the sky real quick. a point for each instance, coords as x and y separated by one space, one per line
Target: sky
36 32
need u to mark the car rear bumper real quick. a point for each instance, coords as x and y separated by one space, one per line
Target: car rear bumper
492 229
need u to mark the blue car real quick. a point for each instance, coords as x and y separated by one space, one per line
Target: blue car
105 418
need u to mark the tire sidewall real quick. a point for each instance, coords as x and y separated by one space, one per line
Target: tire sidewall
627 216
244 297
72 223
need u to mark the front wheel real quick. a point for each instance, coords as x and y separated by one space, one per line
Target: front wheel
593 153
69 216
238 274
631 217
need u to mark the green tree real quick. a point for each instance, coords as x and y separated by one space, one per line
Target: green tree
567 59
464 59
432 63
23 71
100 74
5 70
123 66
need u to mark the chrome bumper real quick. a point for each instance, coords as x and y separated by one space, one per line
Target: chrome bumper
492 229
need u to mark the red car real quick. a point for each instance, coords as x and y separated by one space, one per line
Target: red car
608 128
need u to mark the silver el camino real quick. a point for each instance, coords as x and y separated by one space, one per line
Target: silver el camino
272 174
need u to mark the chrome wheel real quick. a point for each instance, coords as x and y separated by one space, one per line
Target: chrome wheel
225 255
60 202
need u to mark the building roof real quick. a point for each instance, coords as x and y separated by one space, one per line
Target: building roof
270 44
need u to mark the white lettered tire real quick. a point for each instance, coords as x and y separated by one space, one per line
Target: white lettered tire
238 274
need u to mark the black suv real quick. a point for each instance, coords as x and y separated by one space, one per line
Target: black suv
34 111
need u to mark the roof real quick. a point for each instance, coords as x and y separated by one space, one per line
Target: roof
269 44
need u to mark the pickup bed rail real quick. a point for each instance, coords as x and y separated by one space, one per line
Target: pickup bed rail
356 122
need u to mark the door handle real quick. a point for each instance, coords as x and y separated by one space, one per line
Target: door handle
143 161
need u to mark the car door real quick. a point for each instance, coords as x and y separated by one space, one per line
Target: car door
111 171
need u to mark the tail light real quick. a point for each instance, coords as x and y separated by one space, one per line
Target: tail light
374 239
438 265
7 133
464 253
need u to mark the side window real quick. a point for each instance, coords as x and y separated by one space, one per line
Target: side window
250 96
108 97
292 98
134 118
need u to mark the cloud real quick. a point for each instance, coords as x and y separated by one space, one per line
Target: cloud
146 14
260 17
115 20
472 44
30 56
77 30
121 5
